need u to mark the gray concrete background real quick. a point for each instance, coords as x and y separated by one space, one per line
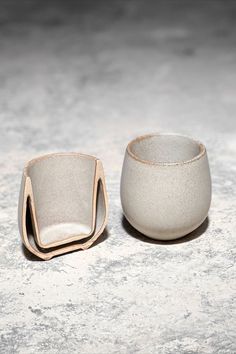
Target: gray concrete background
89 76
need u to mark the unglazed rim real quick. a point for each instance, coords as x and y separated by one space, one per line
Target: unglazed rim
202 149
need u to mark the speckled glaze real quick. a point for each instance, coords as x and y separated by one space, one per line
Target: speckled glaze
63 198
165 185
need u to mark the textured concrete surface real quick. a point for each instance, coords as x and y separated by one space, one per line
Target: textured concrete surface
88 77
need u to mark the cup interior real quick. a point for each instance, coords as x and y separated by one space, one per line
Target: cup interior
63 187
165 149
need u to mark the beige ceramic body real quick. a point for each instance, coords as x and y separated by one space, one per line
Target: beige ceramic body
165 199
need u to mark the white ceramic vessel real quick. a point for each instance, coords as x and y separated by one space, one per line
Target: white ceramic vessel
165 185
63 196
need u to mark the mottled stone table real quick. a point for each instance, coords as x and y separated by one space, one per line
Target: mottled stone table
88 77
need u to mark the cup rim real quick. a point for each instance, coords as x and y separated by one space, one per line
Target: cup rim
202 150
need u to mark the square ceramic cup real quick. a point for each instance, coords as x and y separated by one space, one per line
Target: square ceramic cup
63 197
165 185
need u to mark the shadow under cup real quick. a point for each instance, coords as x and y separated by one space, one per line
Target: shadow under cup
165 185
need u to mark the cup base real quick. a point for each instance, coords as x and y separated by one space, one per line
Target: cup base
166 235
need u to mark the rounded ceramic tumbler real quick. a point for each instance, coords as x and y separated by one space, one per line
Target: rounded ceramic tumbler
165 185
63 203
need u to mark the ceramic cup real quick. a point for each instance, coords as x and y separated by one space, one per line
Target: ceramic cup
63 197
165 185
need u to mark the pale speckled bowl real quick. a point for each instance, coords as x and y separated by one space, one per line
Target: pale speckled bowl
165 185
